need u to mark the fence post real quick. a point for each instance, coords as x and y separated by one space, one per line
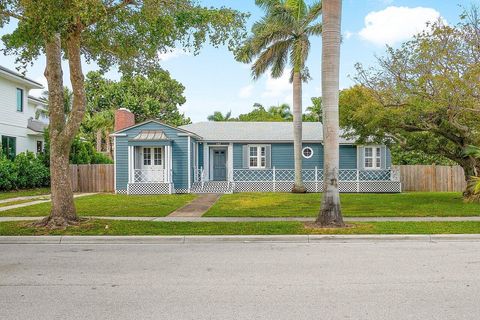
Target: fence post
316 179
274 180
358 181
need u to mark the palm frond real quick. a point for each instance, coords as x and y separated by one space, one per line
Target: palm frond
314 30
314 12
268 57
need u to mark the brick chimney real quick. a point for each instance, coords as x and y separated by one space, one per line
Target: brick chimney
124 118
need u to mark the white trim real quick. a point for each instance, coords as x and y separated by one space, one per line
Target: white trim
158 122
374 157
189 162
311 154
259 157
206 161
230 162
115 164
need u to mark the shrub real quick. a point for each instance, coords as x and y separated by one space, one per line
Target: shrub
100 158
8 174
24 172
31 171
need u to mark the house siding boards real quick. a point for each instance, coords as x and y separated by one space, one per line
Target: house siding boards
14 123
282 156
179 154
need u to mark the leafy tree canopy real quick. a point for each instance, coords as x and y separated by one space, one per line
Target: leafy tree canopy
152 96
126 33
423 96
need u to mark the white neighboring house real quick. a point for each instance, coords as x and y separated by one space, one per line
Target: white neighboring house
23 118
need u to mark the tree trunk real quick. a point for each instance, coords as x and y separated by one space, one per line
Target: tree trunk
99 140
471 168
63 209
330 213
108 142
298 186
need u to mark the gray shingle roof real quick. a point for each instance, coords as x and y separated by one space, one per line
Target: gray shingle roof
256 131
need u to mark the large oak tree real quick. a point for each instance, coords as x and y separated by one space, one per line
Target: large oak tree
126 33
423 96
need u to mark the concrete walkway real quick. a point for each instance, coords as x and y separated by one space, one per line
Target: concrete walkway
197 207
38 197
257 219
42 199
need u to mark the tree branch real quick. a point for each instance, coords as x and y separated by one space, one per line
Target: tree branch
12 15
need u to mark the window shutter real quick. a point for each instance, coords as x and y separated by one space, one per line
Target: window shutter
245 156
268 156
360 158
383 157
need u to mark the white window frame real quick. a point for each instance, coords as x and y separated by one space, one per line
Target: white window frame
376 158
259 156
311 154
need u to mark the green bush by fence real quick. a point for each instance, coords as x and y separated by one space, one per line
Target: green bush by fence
24 172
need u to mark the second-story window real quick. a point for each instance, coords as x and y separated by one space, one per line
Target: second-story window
19 100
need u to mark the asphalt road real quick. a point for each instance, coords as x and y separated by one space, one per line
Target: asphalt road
365 280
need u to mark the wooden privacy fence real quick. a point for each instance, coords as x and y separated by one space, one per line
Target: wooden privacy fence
92 178
432 178
99 178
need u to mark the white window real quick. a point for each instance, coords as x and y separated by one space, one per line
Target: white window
157 156
373 158
147 156
257 157
307 152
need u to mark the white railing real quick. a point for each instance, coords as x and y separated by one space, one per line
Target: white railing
152 175
313 175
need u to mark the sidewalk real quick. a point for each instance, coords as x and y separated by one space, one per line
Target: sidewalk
35 200
254 219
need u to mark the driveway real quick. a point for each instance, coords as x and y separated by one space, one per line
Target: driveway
354 280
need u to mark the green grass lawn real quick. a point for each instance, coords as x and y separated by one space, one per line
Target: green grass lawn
419 204
113 205
24 193
111 227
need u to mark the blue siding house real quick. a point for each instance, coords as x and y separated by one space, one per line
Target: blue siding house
155 158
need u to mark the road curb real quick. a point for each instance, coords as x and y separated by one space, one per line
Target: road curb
232 239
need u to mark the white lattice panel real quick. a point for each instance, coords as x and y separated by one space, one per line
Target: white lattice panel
347 187
181 191
212 187
380 187
149 188
253 187
121 191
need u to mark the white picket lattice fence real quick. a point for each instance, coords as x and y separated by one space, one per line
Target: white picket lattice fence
150 175
312 175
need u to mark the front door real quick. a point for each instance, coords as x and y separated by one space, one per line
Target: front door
219 165
152 164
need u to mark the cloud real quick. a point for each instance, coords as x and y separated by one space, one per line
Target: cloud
246 92
275 88
172 54
396 24
347 35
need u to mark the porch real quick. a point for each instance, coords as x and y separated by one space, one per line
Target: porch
150 164
281 180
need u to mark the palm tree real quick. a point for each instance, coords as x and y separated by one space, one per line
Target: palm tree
218 116
330 212
282 37
282 111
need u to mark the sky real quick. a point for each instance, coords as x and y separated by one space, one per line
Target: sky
214 81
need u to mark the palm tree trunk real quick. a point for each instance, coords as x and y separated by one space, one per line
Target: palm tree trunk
298 186
99 140
330 212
